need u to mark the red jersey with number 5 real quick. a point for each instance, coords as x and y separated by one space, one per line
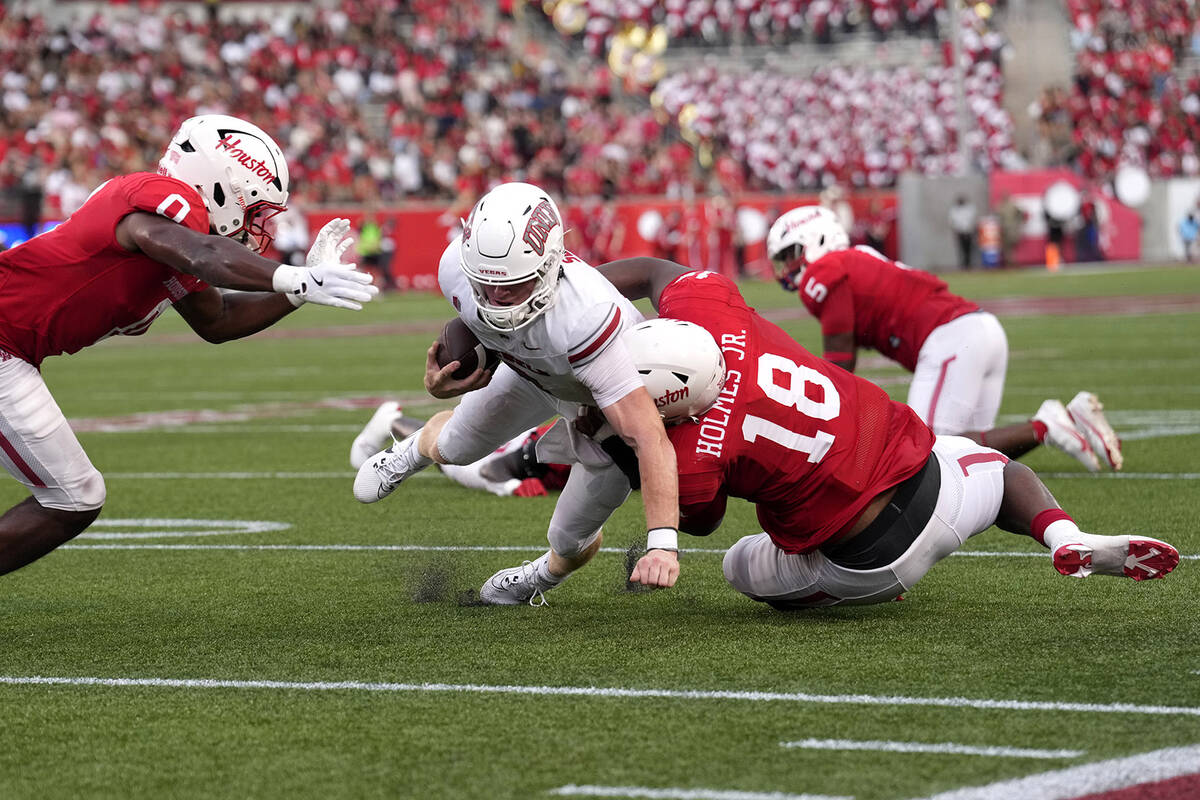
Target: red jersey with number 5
809 443
74 285
886 305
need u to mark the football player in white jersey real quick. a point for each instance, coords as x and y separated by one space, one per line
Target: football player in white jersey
557 324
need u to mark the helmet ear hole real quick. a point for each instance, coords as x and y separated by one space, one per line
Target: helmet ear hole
218 194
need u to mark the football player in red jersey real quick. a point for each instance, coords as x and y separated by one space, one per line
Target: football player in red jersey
143 242
958 354
856 495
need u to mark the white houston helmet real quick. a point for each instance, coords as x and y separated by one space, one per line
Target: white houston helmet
800 237
681 365
238 170
514 235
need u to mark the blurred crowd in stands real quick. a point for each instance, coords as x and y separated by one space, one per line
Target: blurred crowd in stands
1131 101
382 101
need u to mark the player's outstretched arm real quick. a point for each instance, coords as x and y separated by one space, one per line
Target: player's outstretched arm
635 418
219 316
223 262
642 277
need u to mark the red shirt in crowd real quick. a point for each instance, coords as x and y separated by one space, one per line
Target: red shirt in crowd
886 305
74 285
809 443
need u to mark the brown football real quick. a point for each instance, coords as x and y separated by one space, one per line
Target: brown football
457 343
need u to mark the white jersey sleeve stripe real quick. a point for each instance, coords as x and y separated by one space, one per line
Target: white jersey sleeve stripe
595 342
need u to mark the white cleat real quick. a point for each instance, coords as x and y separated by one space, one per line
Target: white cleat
514 586
1087 413
1062 434
375 434
1138 557
382 473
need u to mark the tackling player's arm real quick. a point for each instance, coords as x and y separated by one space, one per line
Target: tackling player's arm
703 519
636 420
216 260
224 262
642 277
219 316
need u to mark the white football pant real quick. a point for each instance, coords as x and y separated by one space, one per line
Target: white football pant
959 380
510 405
972 487
38 447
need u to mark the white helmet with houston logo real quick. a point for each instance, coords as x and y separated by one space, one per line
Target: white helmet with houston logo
800 237
681 365
514 235
238 170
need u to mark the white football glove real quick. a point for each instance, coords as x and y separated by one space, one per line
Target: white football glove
324 279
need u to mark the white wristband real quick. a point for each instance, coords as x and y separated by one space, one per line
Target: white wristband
662 539
288 281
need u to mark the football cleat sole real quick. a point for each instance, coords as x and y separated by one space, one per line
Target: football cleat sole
1144 559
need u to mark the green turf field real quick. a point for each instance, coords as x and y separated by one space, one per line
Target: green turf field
257 633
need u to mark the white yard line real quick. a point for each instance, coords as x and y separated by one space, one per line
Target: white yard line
611 692
1088 779
348 474
455 548
573 790
947 748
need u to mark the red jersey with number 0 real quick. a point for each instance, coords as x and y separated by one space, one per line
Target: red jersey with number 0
74 285
809 443
886 305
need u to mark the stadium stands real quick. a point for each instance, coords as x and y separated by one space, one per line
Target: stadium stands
1130 102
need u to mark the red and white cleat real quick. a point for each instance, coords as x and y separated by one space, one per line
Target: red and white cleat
1087 412
1137 557
1062 434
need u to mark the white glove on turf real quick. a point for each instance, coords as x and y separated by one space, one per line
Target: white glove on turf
324 279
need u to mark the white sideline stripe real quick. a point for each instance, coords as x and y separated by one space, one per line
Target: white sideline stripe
243 476
920 747
1145 476
573 790
457 548
613 691
1087 779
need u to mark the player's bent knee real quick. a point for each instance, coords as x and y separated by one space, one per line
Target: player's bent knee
85 493
571 547
736 563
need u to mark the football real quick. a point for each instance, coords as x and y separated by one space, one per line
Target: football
457 343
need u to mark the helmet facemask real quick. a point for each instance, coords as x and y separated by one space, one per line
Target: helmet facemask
788 265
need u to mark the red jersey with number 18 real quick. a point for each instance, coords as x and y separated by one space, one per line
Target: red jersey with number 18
807 442
74 285
886 305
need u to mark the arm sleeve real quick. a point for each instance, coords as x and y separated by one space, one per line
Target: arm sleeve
600 360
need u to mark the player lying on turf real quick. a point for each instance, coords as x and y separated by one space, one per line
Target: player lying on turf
556 323
857 497
143 242
958 354
511 470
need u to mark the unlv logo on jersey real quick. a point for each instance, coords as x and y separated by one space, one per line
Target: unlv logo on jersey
541 222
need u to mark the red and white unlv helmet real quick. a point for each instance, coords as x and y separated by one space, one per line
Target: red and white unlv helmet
681 365
800 237
513 235
238 170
